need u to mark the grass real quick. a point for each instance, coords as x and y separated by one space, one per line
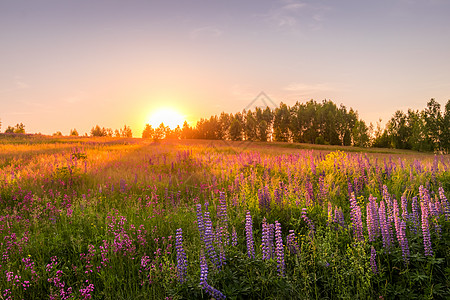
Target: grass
86 218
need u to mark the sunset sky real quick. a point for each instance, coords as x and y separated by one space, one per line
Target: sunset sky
75 64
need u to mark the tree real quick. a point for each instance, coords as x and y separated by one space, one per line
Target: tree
433 120
281 123
160 132
58 133
9 129
250 126
445 134
148 132
126 131
19 128
97 131
186 131
360 134
73 132
236 127
263 122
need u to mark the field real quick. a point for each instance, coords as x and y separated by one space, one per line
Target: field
111 218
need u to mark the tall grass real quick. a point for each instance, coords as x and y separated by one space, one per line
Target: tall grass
93 219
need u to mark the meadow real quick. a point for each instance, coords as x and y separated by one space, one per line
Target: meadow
114 218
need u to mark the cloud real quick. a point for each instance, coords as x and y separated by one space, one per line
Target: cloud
296 15
207 31
16 85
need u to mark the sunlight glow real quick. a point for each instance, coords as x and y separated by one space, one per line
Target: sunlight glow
167 116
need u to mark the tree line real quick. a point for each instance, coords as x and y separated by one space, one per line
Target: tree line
320 123
311 122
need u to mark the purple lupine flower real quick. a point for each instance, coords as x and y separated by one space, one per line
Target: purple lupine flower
264 199
309 192
277 196
234 239
266 241
401 235
279 249
249 235
222 208
201 227
373 263
209 237
307 220
389 212
404 204
330 213
431 208
291 243
219 242
414 217
339 217
323 188
181 256
396 217
356 218
444 204
385 234
216 294
373 223
426 229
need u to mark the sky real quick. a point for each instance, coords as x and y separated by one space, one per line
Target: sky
77 63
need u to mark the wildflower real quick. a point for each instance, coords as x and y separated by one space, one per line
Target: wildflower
213 292
200 224
291 243
356 218
426 229
266 241
249 235
181 256
444 204
403 241
208 239
279 249
373 263
307 220
385 234
234 239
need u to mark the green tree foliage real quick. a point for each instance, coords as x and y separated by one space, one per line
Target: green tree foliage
445 134
236 127
281 124
323 123
425 130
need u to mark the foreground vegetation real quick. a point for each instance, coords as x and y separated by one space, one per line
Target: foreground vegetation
131 219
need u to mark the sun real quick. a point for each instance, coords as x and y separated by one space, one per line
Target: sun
167 116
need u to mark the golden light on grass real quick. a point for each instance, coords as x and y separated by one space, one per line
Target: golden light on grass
168 116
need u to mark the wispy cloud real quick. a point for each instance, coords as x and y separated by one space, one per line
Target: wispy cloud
15 85
207 31
296 15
